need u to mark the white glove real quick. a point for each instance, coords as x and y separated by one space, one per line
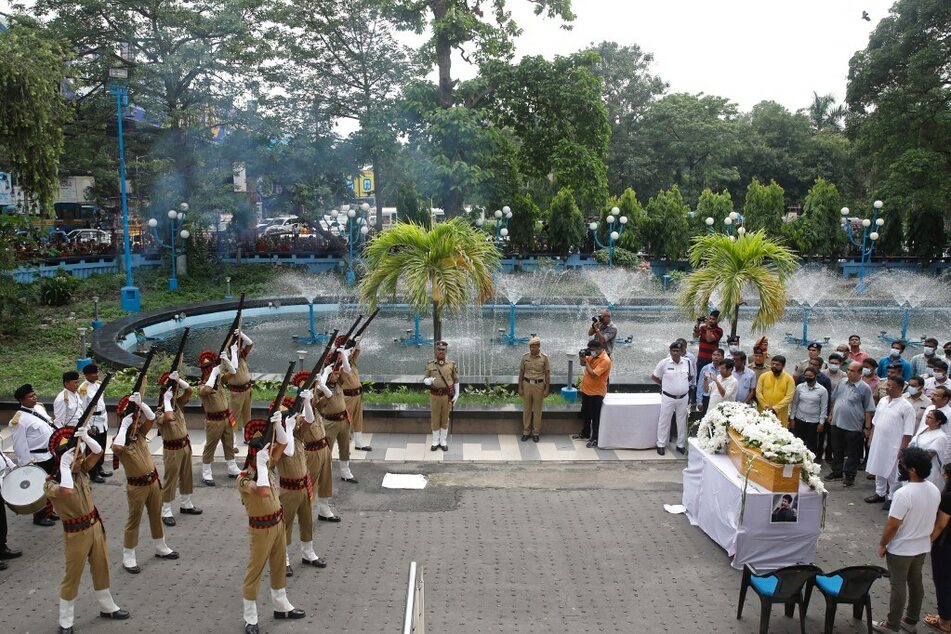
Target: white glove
260 461
345 361
280 434
326 391
234 355
173 376
246 340
147 411
322 379
94 446
167 401
306 395
307 411
136 398
455 395
226 364
428 381
66 469
123 431
213 377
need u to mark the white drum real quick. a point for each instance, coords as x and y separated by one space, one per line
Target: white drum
22 489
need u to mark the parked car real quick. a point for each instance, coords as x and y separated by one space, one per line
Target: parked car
298 228
279 221
96 236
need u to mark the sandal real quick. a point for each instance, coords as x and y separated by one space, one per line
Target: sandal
934 622
884 626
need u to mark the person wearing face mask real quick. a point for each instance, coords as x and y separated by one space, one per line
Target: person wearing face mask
745 379
940 400
775 389
674 375
947 352
809 408
706 378
834 371
919 362
759 366
932 438
815 352
940 378
816 364
915 394
893 426
870 373
894 356
851 414
733 346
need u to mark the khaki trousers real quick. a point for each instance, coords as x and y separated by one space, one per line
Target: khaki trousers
355 409
339 430
217 431
298 504
265 547
533 396
178 472
439 412
240 403
143 498
89 544
318 466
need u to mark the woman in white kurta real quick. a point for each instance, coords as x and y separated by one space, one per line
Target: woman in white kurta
894 419
933 439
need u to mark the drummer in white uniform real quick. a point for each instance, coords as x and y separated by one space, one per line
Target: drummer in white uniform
673 375
68 405
32 428
893 427
98 420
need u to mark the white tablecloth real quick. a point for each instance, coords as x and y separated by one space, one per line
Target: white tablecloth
713 494
629 421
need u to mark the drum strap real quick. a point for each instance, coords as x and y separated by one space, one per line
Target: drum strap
38 415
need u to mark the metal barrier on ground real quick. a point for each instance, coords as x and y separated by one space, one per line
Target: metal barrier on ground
413 616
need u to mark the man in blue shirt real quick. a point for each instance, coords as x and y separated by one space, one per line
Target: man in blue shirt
894 356
746 379
706 378
851 418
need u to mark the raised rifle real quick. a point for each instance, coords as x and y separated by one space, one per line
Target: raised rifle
131 408
351 342
258 443
87 412
346 339
177 361
229 335
312 377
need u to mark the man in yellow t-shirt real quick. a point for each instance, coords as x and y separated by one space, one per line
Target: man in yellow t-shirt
775 390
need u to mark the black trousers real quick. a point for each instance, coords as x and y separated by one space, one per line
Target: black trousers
590 415
99 437
48 466
847 447
809 433
3 522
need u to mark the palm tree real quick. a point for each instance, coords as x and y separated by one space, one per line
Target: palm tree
824 114
727 266
446 267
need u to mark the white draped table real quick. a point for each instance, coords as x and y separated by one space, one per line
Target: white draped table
629 421
713 497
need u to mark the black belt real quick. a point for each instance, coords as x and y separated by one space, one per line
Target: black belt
534 381
44 450
671 395
99 413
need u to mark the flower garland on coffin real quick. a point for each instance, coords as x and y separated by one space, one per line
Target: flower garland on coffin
763 431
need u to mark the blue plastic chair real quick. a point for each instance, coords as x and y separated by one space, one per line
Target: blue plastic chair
847 585
784 585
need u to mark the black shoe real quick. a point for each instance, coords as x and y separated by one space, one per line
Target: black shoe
351 480
192 511
367 448
132 570
682 451
208 483
578 437
251 629
887 506
233 476
525 437
592 444
105 474
66 630
316 563
168 521
118 615
9 553
98 479
44 521
434 448
849 482
290 572
535 438
296 613
444 447
53 516
834 476
875 499
171 555
332 518
661 451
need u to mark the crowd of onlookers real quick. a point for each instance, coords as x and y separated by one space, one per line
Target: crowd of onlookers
888 417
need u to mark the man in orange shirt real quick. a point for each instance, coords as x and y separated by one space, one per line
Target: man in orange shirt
594 386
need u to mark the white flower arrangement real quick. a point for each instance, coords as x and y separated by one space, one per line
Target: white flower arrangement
763 431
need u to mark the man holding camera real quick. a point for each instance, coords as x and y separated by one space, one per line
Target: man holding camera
709 333
594 387
604 331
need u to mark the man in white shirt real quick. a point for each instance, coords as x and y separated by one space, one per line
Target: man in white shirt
940 399
68 406
906 540
32 429
810 406
939 378
723 387
893 425
745 379
674 378
916 396
98 420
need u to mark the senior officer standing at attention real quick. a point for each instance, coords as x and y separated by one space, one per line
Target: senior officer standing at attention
442 379
673 376
534 380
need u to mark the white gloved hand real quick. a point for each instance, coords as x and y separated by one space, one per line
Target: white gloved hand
167 401
280 434
173 376
182 383
345 361
136 398
234 355
91 442
306 395
246 340
456 391
147 411
322 379
213 377
66 469
428 381
260 462
120 438
307 411
225 364
326 391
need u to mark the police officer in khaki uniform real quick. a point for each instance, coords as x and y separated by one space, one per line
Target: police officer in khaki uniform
176 448
84 537
143 491
267 536
534 381
239 381
332 406
219 419
317 449
442 379
353 394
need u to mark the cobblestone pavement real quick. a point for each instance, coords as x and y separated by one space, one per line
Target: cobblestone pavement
506 547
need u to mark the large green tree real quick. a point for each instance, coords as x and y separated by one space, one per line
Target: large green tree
666 233
566 228
764 207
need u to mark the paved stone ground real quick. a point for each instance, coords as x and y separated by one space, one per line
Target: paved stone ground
506 547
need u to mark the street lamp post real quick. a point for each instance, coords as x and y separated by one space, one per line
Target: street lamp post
870 236
357 231
176 220
83 360
96 322
734 219
613 236
502 218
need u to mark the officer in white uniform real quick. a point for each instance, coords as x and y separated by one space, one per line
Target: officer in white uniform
674 378
68 405
32 428
98 420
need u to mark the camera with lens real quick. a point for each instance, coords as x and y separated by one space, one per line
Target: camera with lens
597 318
585 352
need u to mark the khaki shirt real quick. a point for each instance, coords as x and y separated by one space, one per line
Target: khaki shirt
255 505
242 374
535 368
442 371
176 429
72 506
215 402
350 380
334 404
137 459
293 467
310 432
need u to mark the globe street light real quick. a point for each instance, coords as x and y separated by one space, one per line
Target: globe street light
869 238
614 235
177 232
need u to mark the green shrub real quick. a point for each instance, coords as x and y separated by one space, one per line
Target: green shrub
622 257
57 290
